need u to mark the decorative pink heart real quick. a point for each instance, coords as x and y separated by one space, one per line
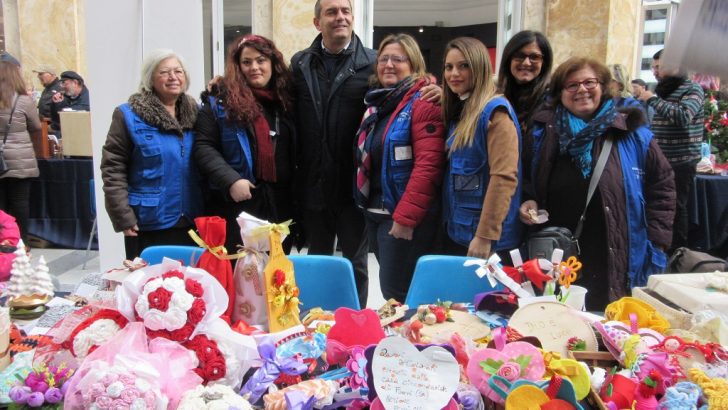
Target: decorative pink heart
356 327
615 333
507 363
359 319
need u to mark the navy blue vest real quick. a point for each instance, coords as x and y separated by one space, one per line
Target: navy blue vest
396 172
466 182
235 144
163 182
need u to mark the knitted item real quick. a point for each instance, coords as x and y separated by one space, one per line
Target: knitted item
683 395
715 390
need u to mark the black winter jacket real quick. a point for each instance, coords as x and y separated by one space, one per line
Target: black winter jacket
327 122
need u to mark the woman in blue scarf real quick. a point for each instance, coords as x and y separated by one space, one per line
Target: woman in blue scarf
629 219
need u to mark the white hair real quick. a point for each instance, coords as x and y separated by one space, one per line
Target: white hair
150 64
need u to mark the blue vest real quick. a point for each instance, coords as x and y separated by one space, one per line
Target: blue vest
163 182
235 143
644 258
397 142
466 182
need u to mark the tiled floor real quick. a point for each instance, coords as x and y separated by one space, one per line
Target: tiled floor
67 266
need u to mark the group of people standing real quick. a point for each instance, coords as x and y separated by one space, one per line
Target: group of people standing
364 146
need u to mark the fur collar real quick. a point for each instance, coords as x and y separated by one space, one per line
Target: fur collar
148 106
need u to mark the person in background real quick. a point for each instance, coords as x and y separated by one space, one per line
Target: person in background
75 97
620 83
245 138
7 57
18 119
525 71
678 128
51 85
152 188
400 160
629 219
481 190
638 87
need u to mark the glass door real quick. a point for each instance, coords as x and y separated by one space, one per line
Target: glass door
223 22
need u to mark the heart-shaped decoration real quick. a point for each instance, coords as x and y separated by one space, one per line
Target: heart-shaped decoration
406 378
615 334
356 327
359 318
517 360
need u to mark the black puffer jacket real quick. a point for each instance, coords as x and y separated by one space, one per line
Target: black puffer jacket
327 117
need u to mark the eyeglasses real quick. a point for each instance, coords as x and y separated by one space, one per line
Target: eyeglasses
396 59
520 57
589 84
174 72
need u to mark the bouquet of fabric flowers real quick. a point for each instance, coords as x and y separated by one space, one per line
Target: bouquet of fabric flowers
119 390
44 387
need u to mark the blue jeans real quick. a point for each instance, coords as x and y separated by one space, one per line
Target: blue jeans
397 257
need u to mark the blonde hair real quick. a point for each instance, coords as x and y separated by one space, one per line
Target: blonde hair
621 76
484 90
411 49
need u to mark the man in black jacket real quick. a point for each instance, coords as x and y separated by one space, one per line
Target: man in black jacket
75 97
51 85
331 79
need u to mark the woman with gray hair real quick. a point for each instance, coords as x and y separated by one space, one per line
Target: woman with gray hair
152 188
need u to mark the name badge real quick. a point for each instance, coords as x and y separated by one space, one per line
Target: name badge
403 153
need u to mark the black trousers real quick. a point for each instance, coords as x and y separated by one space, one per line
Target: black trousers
347 224
15 200
684 177
172 236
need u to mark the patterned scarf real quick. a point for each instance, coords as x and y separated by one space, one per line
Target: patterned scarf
265 155
576 136
380 103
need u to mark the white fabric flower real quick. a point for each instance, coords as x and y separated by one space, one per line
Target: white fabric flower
138 404
176 314
142 385
114 389
96 334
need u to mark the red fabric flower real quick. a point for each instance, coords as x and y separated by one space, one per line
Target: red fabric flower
193 287
159 299
173 274
211 360
279 277
214 369
196 312
182 334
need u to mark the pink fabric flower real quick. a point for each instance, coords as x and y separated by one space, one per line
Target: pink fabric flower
510 371
357 365
128 395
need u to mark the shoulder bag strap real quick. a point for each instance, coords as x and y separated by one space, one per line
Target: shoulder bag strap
10 119
598 169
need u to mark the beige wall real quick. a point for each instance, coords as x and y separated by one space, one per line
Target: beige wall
292 25
50 32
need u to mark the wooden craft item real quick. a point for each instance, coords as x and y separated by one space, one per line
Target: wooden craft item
282 301
468 326
553 324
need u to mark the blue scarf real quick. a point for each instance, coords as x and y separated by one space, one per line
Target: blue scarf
576 136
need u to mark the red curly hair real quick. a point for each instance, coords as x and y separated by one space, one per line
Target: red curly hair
240 102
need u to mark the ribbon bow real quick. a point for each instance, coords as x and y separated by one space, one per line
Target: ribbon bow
272 367
282 228
493 270
298 400
219 251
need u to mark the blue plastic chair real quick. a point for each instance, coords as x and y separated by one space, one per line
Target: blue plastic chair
187 254
445 278
325 281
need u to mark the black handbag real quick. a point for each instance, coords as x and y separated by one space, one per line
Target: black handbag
4 165
541 244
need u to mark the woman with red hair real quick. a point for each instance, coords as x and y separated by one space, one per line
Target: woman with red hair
245 137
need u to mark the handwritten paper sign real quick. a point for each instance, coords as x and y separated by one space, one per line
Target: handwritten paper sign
407 379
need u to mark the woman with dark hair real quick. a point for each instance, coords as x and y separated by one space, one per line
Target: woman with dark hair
629 218
245 137
152 189
400 159
18 118
524 73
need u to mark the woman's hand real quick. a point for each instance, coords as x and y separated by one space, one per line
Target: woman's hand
133 231
479 248
526 212
240 190
431 93
401 231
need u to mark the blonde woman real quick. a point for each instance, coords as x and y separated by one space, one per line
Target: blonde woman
482 190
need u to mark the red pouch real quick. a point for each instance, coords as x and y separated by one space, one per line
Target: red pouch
212 231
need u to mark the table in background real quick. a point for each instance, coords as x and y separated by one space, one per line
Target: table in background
708 213
61 211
